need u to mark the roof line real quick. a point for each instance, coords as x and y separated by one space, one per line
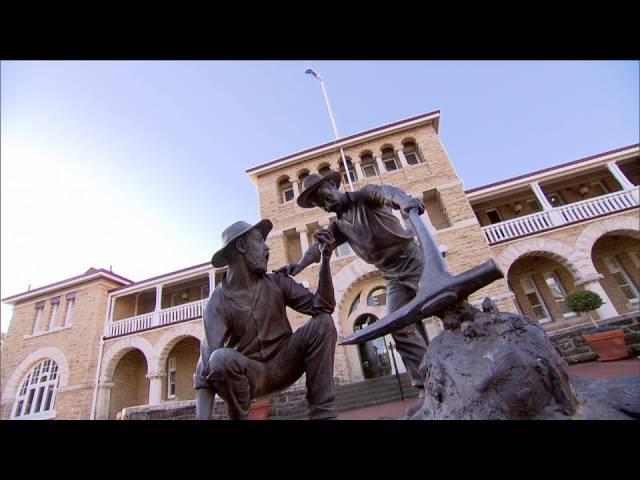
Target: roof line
159 276
88 273
343 139
555 167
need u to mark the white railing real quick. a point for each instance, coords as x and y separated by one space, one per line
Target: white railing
593 207
166 316
182 312
517 227
129 325
574 212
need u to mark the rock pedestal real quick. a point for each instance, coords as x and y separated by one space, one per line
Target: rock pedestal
490 365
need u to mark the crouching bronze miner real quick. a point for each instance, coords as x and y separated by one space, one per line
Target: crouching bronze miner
248 349
365 221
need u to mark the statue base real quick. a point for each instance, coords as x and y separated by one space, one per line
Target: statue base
490 365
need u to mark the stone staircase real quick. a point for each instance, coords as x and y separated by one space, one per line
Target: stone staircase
374 391
291 404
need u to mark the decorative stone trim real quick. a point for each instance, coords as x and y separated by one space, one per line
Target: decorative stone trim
53 353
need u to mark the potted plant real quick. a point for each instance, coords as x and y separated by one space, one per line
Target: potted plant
607 342
259 410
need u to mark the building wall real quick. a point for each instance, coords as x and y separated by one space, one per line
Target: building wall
619 246
131 387
435 181
78 344
186 352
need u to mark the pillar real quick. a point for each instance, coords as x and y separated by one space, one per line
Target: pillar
555 216
155 387
381 167
304 238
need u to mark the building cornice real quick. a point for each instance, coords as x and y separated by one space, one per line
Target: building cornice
93 274
548 173
434 117
167 277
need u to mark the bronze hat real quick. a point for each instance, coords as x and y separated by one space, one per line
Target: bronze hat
312 183
234 231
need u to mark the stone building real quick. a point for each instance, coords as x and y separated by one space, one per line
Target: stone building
552 231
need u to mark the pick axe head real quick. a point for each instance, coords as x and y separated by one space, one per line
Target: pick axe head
437 290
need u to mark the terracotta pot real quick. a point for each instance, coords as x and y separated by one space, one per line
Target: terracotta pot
609 345
259 410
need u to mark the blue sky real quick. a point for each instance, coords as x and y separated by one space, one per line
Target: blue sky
140 165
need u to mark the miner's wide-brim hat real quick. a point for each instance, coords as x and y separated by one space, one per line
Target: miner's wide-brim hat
234 231
312 183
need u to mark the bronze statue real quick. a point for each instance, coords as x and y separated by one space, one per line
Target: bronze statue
365 221
248 349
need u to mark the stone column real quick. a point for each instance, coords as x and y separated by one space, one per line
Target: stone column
155 387
555 216
304 239
156 311
103 401
296 188
403 159
619 175
357 163
212 282
607 310
381 167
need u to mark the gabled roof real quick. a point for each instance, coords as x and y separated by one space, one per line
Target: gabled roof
90 274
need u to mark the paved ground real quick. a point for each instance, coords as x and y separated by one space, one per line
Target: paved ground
395 410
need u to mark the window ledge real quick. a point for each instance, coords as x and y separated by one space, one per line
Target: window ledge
40 334
38 416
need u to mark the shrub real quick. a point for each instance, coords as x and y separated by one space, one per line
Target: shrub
583 301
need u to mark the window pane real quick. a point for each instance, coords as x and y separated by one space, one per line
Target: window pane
47 404
288 195
377 298
370 171
494 216
412 158
390 165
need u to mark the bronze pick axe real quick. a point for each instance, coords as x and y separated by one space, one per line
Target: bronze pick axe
437 288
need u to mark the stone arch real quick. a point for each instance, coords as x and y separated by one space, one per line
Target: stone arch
408 140
323 165
119 349
171 338
53 353
574 260
386 146
624 225
304 171
344 282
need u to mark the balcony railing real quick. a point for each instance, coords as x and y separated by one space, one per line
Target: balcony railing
574 212
166 316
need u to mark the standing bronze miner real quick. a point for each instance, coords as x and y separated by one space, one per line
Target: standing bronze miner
365 221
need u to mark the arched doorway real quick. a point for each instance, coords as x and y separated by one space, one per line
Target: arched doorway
179 367
130 383
541 284
374 355
616 257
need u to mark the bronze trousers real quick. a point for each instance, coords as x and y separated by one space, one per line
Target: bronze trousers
310 349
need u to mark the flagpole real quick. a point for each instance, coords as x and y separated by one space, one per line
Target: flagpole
333 123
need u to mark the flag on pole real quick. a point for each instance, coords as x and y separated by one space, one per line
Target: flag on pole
311 72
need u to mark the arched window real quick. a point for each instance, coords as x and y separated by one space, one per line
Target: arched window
369 166
352 171
377 297
286 190
304 174
354 305
411 153
389 159
37 395
324 170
